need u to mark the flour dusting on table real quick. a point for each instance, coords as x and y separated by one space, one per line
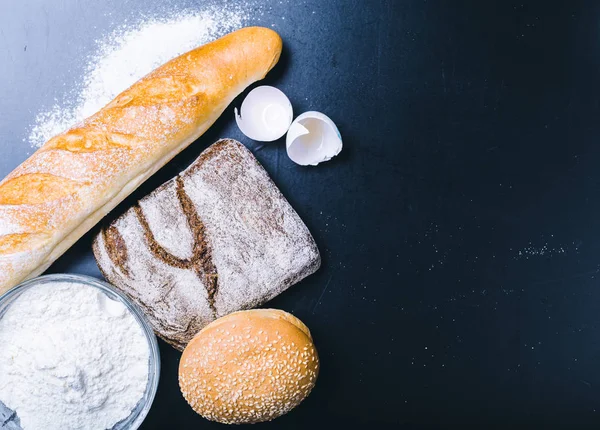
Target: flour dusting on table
128 54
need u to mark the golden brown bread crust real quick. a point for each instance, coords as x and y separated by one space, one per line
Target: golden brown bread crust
248 367
275 314
76 178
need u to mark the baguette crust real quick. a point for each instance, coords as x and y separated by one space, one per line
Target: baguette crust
77 177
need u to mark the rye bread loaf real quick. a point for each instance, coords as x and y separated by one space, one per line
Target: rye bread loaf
218 238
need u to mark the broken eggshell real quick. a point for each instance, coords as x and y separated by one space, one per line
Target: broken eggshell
313 138
265 115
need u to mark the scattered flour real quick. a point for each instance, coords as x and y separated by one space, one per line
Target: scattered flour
128 54
545 250
71 358
540 251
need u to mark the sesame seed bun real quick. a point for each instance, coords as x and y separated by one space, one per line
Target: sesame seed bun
249 367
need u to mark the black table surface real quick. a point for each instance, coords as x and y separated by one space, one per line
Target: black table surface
459 228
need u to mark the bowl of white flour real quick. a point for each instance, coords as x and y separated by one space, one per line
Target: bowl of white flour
74 354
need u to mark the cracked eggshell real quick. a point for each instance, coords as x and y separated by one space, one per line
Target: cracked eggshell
265 115
313 138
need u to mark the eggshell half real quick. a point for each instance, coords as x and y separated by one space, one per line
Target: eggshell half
265 115
312 139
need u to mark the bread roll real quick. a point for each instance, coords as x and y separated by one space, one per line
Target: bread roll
249 367
77 177
218 238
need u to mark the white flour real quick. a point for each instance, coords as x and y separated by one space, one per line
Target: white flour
71 358
127 55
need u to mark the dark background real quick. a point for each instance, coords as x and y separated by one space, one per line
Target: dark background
459 228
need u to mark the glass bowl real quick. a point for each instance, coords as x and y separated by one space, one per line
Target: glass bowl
139 413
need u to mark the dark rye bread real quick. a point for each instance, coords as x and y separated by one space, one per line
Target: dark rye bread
218 238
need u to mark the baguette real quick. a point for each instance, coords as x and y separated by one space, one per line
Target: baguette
77 177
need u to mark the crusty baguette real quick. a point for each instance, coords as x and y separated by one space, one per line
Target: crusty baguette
77 177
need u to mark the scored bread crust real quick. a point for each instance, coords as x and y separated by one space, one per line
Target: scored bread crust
248 367
77 177
218 238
